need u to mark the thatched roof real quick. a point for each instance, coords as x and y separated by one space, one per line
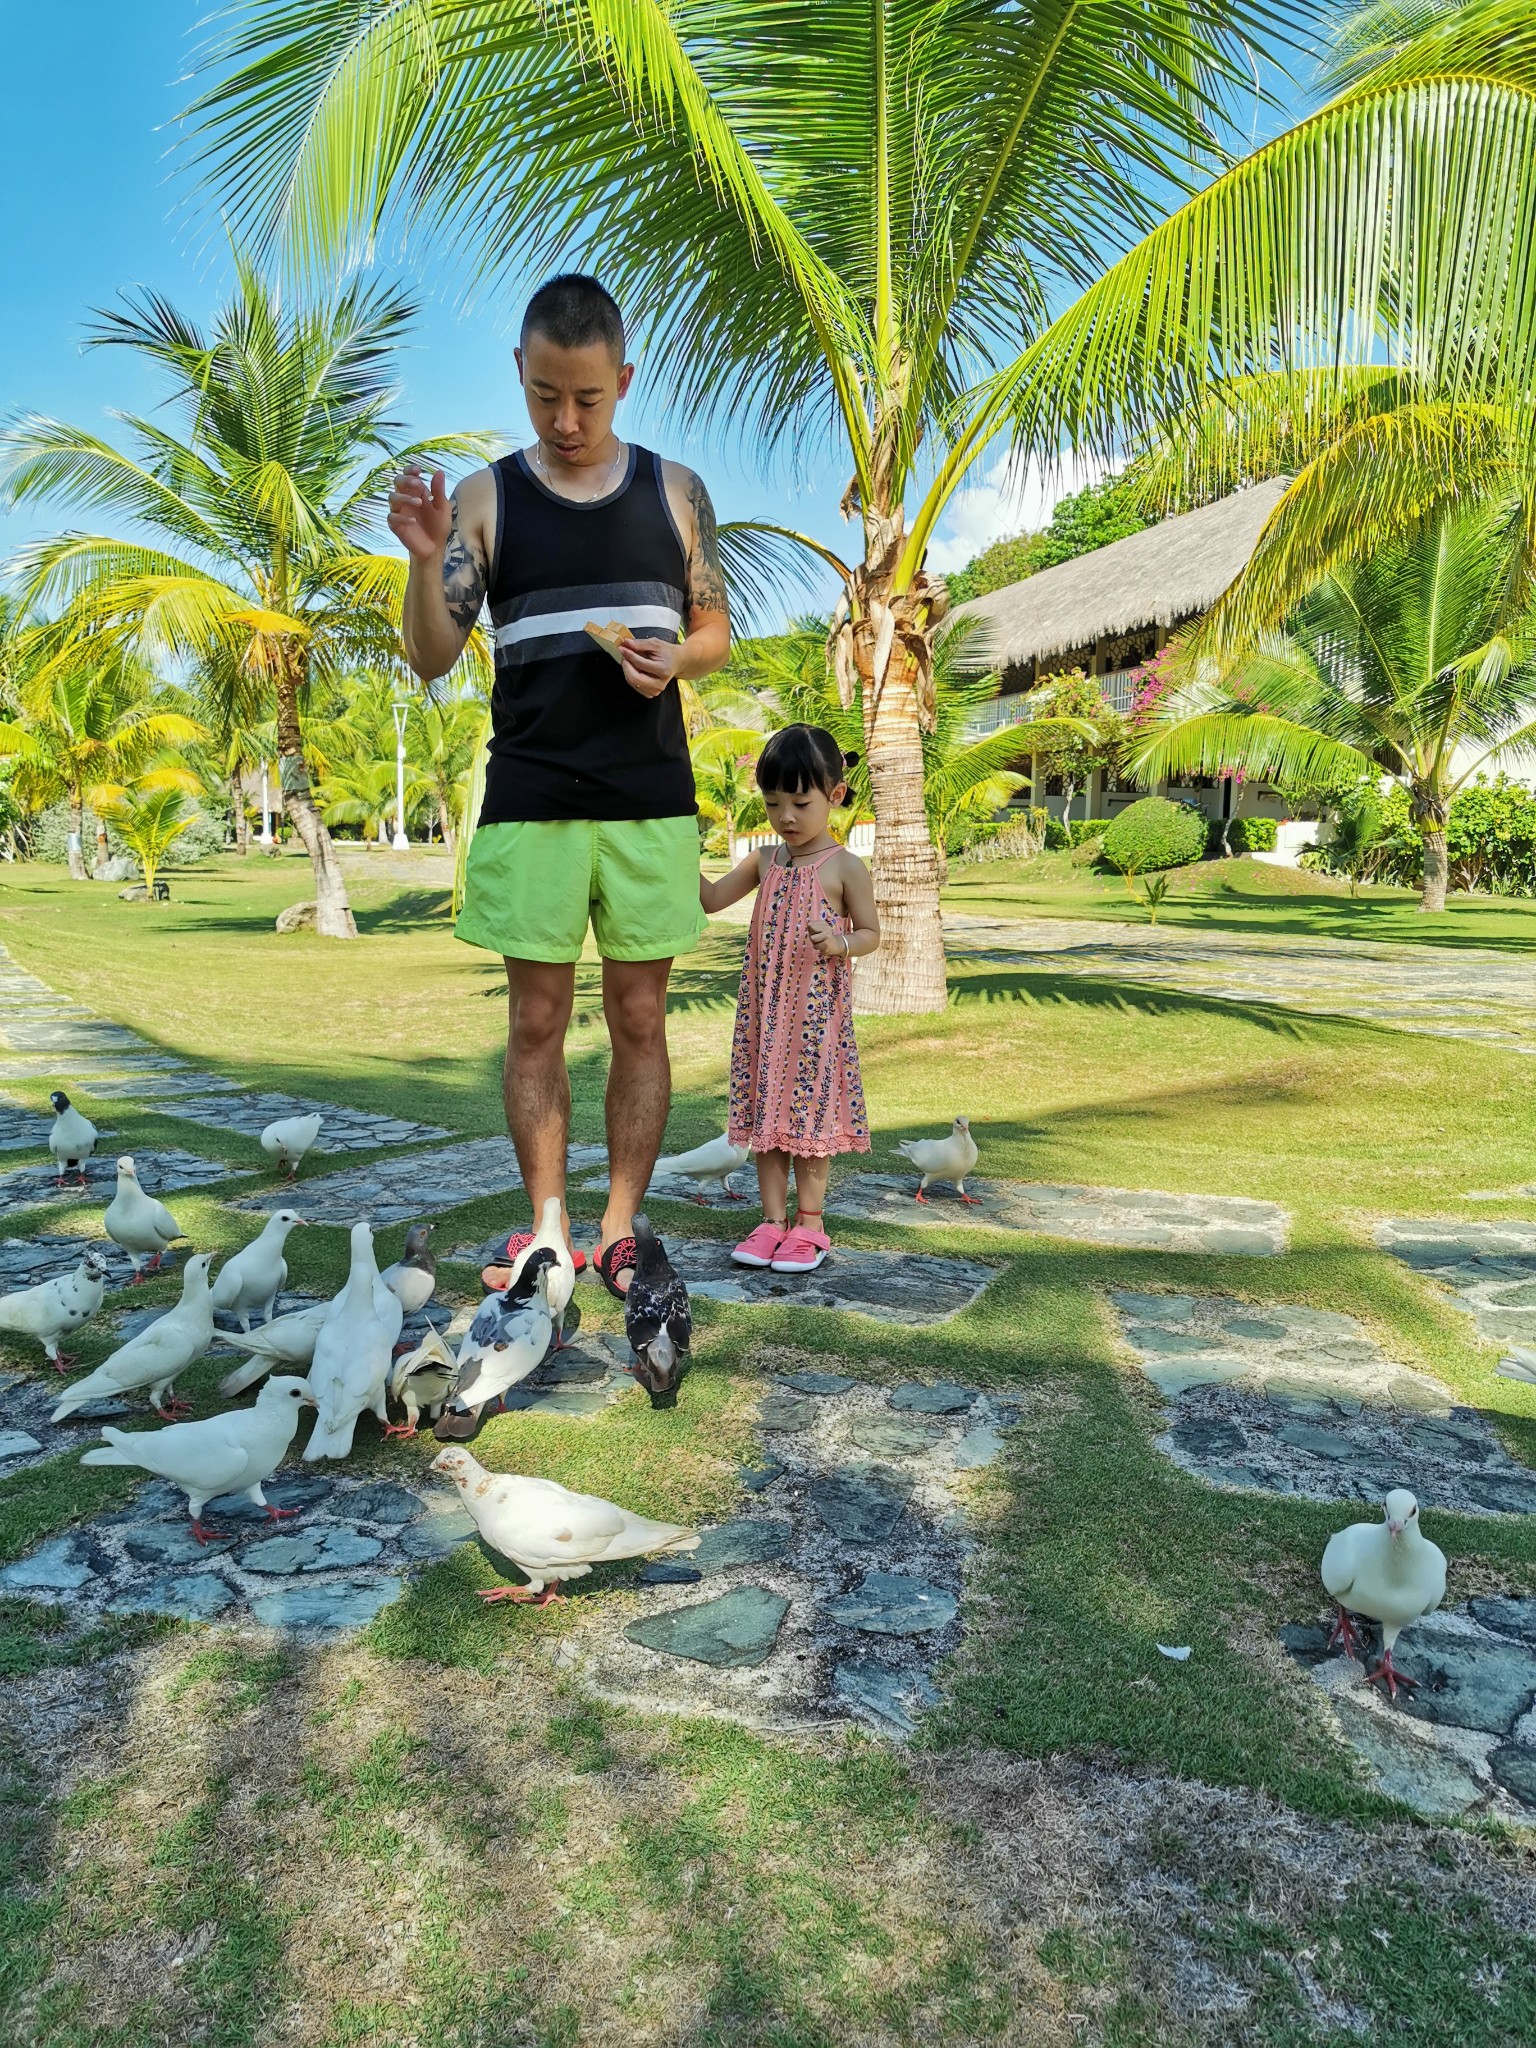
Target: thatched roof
1158 577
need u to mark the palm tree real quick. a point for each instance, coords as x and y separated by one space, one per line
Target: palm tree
85 725
1416 659
260 508
149 822
442 738
729 804
889 230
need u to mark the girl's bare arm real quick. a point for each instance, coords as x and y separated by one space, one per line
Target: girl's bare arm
741 881
857 887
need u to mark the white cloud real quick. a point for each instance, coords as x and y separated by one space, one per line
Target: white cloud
1008 500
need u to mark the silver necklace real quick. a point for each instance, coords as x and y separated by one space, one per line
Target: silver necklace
601 492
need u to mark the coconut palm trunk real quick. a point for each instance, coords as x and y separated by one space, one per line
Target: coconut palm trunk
333 912
1431 814
77 867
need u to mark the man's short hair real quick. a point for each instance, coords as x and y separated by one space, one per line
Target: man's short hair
573 311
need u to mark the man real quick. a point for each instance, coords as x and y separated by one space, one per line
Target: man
589 800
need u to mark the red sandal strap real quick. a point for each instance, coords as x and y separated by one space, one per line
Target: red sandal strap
621 1253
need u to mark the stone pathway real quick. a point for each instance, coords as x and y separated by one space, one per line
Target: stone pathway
421 1184
1295 1400
1139 1219
160 1172
837 1594
1489 1270
676 1187
1465 1742
25 1261
34 1021
1447 992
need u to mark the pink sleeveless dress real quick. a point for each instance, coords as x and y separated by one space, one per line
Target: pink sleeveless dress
795 1083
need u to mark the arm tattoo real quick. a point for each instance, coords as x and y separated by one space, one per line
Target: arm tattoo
706 579
463 577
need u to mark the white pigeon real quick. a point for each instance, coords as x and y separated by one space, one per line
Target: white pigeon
950 1158
508 1339
716 1161
550 1236
1389 1571
413 1275
54 1308
1519 1365
139 1223
72 1139
231 1453
350 1371
422 1381
155 1357
253 1279
289 1139
286 1340
549 1532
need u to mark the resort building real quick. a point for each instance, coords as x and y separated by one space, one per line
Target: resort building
1106 613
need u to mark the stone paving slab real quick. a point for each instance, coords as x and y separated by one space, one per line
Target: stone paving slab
419 1184
161 1172
23 1130
1488 1269
1293 1400
676 1187
25 1261
1468 992
1137 1218
1465 1742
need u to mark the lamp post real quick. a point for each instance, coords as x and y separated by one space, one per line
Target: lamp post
401 713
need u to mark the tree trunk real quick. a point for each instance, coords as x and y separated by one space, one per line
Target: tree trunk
242 823
77 871
445 826
333 913
882 642
103 852
1431 813
1435 870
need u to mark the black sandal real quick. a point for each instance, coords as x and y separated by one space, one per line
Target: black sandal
622 1253
461 1425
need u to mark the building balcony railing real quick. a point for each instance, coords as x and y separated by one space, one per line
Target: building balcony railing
1119 686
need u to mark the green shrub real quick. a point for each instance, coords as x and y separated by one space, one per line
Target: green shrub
1253 835
1085 828
1087 852
1154 833
1056 835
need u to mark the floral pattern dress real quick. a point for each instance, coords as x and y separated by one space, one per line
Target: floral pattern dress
795 1083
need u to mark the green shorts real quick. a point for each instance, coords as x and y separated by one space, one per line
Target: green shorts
529 888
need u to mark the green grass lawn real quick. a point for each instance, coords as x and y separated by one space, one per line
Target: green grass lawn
1245 896
427 1835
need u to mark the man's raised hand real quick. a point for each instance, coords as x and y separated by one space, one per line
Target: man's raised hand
421 513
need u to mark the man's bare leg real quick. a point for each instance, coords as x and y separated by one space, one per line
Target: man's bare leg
639 1087
535 1086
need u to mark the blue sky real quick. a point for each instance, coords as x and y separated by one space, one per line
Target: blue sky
92 201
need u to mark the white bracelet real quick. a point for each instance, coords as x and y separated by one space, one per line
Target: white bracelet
847 947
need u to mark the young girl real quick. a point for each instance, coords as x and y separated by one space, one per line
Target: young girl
796 1097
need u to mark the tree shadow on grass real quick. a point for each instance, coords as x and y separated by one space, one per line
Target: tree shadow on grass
1134 999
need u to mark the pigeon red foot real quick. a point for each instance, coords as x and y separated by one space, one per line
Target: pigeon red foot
1345 1633
521 1595
1387 1674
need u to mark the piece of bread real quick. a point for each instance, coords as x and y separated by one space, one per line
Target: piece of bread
611 637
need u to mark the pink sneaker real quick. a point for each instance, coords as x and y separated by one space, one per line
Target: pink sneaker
760 1247
802 1250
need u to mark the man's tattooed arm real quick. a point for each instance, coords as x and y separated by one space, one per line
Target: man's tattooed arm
464 577
706 579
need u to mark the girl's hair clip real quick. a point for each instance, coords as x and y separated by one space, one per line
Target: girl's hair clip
850 760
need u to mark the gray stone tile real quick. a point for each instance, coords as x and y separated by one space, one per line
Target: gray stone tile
199 1596
59 1566
890 1604
1133 1217
942 1398
889 1696
344 1129
737 1629
327 1603
21 1130
861 1503
893 1287
745 1541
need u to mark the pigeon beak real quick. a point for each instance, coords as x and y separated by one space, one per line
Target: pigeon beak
1394 1529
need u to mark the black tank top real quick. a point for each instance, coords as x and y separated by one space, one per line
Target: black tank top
570 738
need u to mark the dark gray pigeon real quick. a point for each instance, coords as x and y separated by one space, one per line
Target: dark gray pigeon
657 1318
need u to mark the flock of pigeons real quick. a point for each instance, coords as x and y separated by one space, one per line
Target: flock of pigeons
344 1358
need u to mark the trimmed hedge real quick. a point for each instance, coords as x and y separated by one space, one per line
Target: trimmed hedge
1244 835
1154 833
